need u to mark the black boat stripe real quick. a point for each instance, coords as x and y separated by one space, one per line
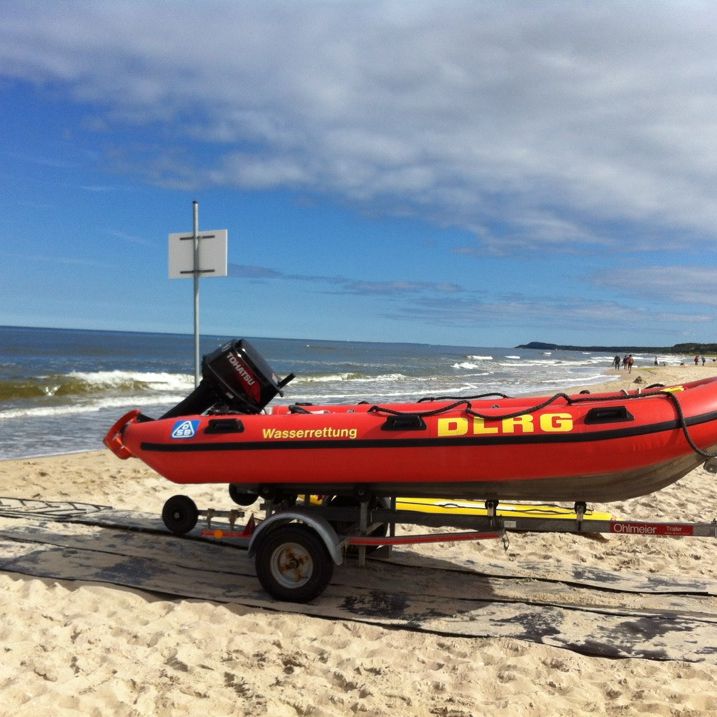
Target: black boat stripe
178 446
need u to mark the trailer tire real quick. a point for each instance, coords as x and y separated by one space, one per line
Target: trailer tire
180 514
292 563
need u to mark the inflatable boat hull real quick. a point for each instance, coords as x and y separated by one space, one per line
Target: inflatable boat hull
595 448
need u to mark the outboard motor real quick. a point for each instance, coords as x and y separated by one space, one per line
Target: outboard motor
235 378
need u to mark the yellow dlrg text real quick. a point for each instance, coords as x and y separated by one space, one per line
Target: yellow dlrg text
525 423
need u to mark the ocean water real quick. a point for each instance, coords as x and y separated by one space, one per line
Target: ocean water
60 390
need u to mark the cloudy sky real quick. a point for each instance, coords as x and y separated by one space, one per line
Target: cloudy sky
472 173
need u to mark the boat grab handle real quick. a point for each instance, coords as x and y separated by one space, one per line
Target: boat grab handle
224 425
608 414
404 422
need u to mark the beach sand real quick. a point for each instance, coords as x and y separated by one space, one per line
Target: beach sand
71 647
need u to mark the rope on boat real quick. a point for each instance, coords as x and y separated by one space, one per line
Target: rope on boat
682 421
461 398
513 414
684 426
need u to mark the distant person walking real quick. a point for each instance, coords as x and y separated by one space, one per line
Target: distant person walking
630 361
616 362
697 360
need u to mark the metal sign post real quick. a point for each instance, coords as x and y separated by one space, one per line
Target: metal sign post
194 255
195 274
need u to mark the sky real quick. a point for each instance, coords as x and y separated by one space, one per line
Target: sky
448 172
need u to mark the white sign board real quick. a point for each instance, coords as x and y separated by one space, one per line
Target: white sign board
212 254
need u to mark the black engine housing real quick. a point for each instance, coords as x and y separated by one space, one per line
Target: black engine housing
236 378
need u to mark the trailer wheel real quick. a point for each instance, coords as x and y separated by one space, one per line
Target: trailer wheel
241 497
292 563
180 514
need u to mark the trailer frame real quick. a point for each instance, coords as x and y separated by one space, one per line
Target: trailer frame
296 546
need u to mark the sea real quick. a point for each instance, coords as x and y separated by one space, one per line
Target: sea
62 389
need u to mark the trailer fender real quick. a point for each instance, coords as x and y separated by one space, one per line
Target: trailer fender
316 522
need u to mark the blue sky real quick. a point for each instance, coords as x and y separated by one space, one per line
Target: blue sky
470 173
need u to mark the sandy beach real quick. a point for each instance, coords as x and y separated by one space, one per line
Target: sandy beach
78 647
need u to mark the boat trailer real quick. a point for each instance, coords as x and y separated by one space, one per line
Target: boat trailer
297 544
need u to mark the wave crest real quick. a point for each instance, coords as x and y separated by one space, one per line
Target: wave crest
85 384
348 376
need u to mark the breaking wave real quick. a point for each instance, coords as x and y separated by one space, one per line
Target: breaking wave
348 376
77 384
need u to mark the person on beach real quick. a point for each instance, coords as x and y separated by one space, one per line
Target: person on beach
630 361
616 362
697 360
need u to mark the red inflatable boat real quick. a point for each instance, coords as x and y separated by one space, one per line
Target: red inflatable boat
585 447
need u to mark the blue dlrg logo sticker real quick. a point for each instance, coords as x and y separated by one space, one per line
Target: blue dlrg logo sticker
185 429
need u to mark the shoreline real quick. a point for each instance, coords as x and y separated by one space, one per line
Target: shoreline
641 377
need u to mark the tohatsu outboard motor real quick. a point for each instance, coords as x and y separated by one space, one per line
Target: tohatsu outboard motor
235 378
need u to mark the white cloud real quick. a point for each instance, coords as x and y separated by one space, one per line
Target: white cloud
531 126
668 284
539 313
